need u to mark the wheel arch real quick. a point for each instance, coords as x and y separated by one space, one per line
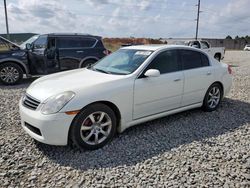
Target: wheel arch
87 58
220 83
107 103
24 67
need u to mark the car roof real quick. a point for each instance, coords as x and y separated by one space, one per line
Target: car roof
155 47
71 34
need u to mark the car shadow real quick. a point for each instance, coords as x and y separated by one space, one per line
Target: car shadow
150 139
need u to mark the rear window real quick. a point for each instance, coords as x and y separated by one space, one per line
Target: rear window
76 42
192 59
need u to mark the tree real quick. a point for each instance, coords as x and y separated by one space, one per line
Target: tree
229 37
237 37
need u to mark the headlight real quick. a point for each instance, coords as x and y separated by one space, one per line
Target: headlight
18 54
55 103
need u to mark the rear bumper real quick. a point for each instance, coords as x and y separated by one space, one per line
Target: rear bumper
53 128
227 83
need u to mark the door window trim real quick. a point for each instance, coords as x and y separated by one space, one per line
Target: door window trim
209 63
141 74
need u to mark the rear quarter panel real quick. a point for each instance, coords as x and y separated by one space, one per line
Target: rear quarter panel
221 74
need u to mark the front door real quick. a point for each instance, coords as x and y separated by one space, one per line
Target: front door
37 55
154 95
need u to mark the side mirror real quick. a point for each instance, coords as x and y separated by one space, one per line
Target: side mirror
152 73
28 46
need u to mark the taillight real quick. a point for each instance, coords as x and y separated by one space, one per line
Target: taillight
229 69
107 52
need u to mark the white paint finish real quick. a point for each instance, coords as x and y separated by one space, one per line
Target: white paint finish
54 127
196 84
210 50
138 100
157 94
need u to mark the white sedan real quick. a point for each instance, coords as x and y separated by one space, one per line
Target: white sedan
135 84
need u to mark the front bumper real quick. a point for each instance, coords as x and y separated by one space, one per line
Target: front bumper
53 128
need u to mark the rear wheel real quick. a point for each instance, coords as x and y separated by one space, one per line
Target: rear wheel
93 127
88 63
10 73
213 97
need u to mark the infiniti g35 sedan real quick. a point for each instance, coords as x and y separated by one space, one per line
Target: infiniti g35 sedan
86 107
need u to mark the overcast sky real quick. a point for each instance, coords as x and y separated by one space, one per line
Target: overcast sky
138 18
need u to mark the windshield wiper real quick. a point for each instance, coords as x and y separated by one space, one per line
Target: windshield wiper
100 70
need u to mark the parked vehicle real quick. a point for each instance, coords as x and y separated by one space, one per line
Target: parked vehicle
216 52
132 85
247 47
49 53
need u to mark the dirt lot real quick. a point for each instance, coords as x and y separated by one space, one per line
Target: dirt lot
189 149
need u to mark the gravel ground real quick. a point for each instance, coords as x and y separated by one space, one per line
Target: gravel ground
189 149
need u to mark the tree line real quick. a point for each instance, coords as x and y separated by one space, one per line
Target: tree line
237 37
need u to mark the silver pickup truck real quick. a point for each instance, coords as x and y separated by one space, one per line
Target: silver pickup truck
216 52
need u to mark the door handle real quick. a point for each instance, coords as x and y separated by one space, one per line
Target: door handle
209 73
177 79
79 51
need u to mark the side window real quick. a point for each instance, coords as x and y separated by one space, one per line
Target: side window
204 59
41 42
87 42
204 45
165 62
68 42
75 42
190 59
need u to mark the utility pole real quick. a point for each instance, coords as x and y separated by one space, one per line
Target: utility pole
6 20
197 20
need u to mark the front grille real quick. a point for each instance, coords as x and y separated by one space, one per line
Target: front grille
30 102
33 129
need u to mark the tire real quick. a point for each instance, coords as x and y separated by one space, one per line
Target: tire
217 57
86 132
212 98
10 73
88 63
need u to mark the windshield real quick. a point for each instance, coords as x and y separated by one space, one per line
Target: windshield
123 61
30 40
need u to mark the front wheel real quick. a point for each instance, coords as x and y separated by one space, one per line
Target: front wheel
212 98
10 73
93 127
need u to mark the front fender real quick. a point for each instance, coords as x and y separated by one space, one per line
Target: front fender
17 61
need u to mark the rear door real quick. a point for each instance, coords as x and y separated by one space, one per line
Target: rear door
154 95
70 52
73 49
198 76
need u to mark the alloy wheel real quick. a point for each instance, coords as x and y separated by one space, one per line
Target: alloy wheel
96 128
213 97
9 74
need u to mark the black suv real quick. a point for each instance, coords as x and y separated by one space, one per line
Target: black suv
48 53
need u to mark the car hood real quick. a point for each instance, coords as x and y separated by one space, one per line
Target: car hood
75 80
